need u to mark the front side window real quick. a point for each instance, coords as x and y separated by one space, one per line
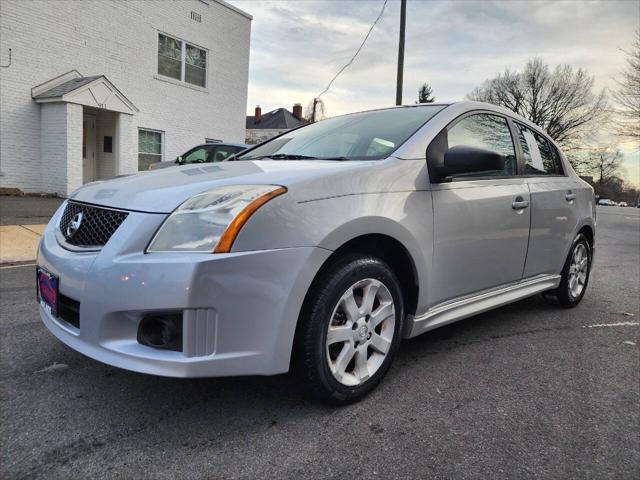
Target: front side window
358 136
182 61
149 148
488 132
540 157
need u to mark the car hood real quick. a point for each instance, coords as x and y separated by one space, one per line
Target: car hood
161 191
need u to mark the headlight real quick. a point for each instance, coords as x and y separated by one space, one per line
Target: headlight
211 221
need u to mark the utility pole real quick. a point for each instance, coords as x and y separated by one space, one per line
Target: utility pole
403 21
313 115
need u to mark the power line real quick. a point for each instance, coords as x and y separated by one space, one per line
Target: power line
357 51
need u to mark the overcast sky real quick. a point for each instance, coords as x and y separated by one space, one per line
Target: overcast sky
297 46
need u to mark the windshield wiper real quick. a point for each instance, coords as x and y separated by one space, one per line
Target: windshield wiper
284 156
288 156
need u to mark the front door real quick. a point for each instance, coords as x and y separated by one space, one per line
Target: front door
88 148
481 220
481 232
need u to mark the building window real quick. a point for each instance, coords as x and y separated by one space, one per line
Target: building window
149 148
169 57
182 61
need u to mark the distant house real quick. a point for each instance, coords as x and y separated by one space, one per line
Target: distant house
263 127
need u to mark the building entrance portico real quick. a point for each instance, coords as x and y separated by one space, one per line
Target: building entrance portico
86 131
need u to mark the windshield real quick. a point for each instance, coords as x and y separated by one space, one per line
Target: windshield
358 136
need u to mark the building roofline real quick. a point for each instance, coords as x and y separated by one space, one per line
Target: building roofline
235 9
54 82
68 96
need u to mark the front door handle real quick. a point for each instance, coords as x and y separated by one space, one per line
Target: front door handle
570 196
519 203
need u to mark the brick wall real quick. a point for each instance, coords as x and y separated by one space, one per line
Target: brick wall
118 39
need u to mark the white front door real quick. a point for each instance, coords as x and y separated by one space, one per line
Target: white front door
88 148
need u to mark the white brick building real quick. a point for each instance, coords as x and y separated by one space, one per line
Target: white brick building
100 88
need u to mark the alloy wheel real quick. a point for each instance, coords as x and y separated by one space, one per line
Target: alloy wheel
578 270
360 332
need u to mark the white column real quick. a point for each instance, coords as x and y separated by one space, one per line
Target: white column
61 147
126 145
74 147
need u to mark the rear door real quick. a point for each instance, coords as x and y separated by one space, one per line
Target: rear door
481 221
554 197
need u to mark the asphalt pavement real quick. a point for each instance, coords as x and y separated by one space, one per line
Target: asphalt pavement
526 391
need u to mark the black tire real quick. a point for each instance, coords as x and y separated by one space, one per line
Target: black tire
311 352
564 294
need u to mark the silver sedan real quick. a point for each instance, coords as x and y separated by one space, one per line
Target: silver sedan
319 250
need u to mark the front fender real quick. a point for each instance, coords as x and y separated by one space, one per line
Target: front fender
330 223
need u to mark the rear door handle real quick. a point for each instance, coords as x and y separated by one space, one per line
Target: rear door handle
519 203
570 196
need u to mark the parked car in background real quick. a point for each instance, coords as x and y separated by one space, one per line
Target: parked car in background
322 248
623 204
204 153
607 202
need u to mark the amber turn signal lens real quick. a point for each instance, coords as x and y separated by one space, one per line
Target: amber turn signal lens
230 234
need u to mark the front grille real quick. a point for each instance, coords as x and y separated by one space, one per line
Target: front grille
88 226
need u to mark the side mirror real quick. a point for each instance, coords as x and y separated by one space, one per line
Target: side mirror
463 159
179 160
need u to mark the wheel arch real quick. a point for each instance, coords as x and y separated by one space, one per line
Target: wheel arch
381 245
588 231
389 240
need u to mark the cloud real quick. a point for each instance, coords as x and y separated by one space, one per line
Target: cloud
454 45
297 46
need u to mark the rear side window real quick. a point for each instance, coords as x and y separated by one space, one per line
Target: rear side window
222 152
540 156
489 132
197 155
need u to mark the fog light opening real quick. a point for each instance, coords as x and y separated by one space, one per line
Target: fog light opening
163 332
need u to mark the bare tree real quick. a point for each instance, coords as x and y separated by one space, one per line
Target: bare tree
316 111
604 163
627 95
425 94
561 101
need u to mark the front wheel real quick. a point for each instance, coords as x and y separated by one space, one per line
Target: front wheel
575 274
350 329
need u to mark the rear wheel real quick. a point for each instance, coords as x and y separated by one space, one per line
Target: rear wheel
575 274
350 329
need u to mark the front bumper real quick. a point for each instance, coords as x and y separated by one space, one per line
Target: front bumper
239 310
